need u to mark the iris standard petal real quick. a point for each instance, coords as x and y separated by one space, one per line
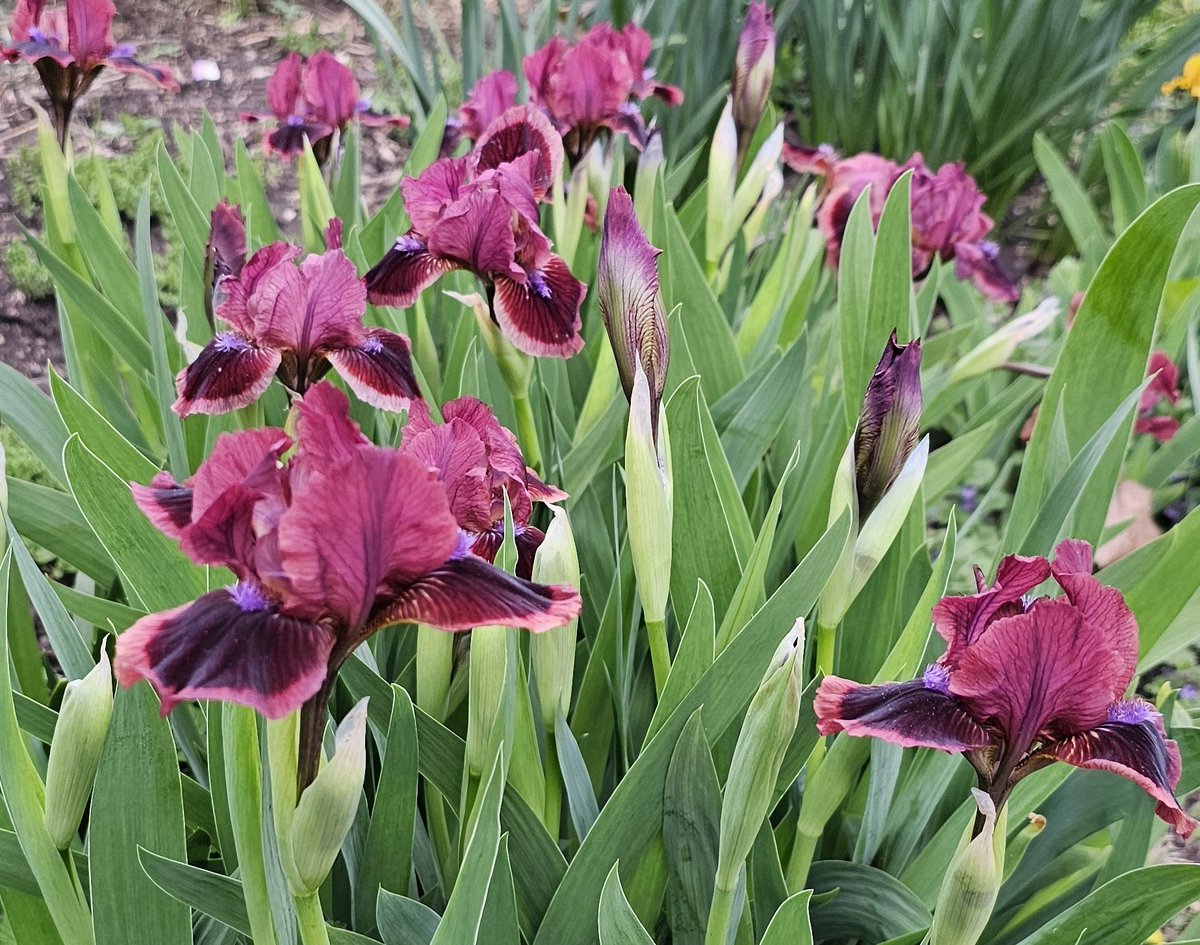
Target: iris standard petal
492 96
520 130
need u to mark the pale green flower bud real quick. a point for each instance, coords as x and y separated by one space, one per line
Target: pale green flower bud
488 672
75 752
757 175
648 499
515 366
649 164
972 882
327 806
762 743
552 652
722 179
998 347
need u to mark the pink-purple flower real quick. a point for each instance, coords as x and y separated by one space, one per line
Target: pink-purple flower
342 540
947 215
295 321
753 71
1025 682
1163 390
69 45
479 462
310 100
480 213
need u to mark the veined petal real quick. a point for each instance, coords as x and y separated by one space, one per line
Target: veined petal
492 96
426 197
166 503
89 30
1133 744
476 232
467 592
283 88
540 316
376 522
330 90
328 437
889 422
455 452
405 271
224 534
540 491
519 130
230 645
379 370
312 308
226 247
911 714
249 458
240 293
231 372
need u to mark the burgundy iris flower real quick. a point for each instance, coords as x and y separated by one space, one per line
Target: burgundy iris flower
492 96
480 213
311 100
478 462
1024 683
69 45
1163 389
344 539
296 321
948 221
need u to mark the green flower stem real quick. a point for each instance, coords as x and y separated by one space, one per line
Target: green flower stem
527 431
720 915
805 845
311 920
552 812
439 833
826 648
282 748
660 653
243 774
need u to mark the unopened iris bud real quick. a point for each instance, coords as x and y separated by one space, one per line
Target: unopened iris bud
648 499
889 423
972 883
649 163
753 71
552 652
327 807
75 751
762 743
998 347
722 179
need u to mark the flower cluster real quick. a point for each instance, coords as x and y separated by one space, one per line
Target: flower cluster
310 100
69 46
592 85
343 539
293 320
479 212
1025 682
948 221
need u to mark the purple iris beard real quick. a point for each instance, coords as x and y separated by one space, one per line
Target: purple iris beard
937 678
249 597
409 244
540 285
1130 713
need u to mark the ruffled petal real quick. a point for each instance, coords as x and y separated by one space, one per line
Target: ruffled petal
379 370
476 232
224 534
283 88
330 90
518 131
247 458
492 96
456 454
327 435
231 372
231 646
405 271
240 293
426 197
312 308
540 316
467 592
910 714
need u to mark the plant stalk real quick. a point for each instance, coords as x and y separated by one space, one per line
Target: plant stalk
311 920
720 915
527 431
243 775
660 654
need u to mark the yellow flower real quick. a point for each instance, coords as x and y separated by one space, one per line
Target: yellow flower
1189 81
1157 937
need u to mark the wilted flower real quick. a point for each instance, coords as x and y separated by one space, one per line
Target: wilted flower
889 423
947 215
69 45
1162 389
344 539
311 100
595 84
296 321
492 96
630 301
480 213
479 462
1023 683
753 71
1188 80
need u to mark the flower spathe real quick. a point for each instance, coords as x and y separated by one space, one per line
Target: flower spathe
480 213
344 539
1023 683
69 45
293 320
310 100
478 462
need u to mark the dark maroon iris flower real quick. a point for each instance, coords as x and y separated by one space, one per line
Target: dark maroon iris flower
69 45
342 540
296 321
1163 390
479 462
480 213
312 99
1024 683
948 221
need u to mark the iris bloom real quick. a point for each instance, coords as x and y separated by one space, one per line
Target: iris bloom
478 461
492 96
69 45
889 422
295 321
311 100
1188 80
1162 389
342 540
480 213
224 253
948 221
1023 683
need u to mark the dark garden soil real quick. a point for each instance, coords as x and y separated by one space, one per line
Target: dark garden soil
246 49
